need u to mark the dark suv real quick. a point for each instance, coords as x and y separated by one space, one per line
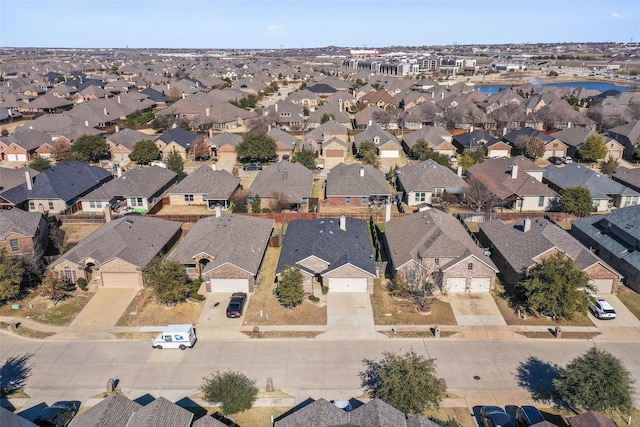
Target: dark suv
256 166
527 416
236 304
494 416
59 414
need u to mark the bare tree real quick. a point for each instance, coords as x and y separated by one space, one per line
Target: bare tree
535 147
479 197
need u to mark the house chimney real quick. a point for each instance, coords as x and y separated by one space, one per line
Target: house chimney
361 171
285 174
105 111
27 176
269 127
514 171
168 86
527 225
210 133
343 222
387 211
119 100
275 106
107 212
184 95
86 123
207 111
119 171
117 128
459 171
213 167
370 122
218 211
504 131
340 104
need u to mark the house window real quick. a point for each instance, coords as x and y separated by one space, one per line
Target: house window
363 200
347 200
139 201
555 145
436 261
204 197
376 140
32 205
50 205
421 197
438 192
411 277
188 197
540 201
190 270
305 200
69 275
15 246
470 266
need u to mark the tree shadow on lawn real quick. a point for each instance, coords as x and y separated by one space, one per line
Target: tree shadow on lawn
15 372
536 377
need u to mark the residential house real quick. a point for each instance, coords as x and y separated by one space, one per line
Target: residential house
114 411
330 252
224 146
381 98
366 116
178 140
328 110
575 137
12 419
628 135
314 140
116 254
136 190
591 419
518 139
432 246
285 143
305 98
628 177
226 251
23 233
605 192
516 183
356 185
283 186
24 145
469 141
121 144
386 143
426 182
205 186
439 139
285 115
614 238
57 188
518 248
10 177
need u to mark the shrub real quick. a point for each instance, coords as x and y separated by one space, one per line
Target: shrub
313 298
195 286
325 290
82 283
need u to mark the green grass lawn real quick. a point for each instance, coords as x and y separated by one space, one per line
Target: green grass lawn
630 299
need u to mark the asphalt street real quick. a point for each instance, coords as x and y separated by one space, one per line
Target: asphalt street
303 368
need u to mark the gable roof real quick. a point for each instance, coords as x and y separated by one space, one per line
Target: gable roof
65 181
600 186
377 412
239 240
135 239
473 139
318 413
10 178
373 131
161 412
628 177
591 419
574 136
19 221
225 138
115 410
434 135
427 175
215 184
356 180
323 238
292 181
136 182
128 137
182 137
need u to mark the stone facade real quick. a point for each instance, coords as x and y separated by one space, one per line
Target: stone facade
347 271
600 271
26 244
229 271
461 269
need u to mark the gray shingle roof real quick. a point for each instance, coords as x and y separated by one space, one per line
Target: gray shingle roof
377 413
10 178
573 174
628 177
226 138
135 239
136 182
624 227
208 421
236 239
218 185
291 180
113 411
65 181
182 137
9 419
128 138
19 221
346 180
420 420
318 413
324 239
161 412
427 175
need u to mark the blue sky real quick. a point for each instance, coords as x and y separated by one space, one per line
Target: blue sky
312 23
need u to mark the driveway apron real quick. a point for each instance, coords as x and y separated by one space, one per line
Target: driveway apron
476 310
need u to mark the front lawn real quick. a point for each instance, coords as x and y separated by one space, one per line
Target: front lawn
511 317
630 299
388 310
145 311
38 308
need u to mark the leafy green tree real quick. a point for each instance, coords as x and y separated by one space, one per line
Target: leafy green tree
576 200
11 273
233 390
609 166
137 118
54 287
368 153
305 157
408 382
257 146
247 101
175 162
168 280
421 150
594 148
290 291
255 204
240 208
40 163
557 288
144 152
326 117
90 148
535 147
305 111
597 381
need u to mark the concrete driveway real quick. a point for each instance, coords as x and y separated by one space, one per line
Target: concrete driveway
618 328
349 317
475 310
213 322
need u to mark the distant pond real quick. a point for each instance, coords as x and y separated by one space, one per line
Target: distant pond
599 86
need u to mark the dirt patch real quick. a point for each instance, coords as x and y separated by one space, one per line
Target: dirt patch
135 335
567 335
74 233
41 309
463 416
388 310
283 334
265 309
31 333
511 317
145 311
418 334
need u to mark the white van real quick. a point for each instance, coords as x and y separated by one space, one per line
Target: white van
176 336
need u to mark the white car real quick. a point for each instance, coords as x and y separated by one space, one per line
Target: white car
567 160
601 308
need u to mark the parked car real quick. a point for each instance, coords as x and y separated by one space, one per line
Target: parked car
601 308
286 157
236 304
494 416
256 166
556 160
528 415
59 414
567 160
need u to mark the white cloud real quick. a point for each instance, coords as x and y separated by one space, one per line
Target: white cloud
274 30
616 15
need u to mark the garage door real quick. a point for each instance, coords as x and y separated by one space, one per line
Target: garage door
334 153
456 285
120 280
389 154
603 286
347 284
12 157
229 285
480 284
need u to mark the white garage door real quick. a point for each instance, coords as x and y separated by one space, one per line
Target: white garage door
120 280
389 154
456 285
347 284
480 284
12 157
229 285
603 286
